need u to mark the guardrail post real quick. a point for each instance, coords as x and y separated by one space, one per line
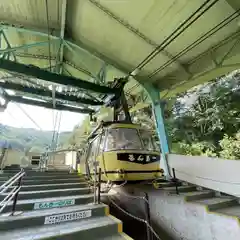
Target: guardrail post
16 196
175 181
99 185
147 214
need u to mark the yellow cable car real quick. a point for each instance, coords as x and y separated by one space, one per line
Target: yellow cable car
123 151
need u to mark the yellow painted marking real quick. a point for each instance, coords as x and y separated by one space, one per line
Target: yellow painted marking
120 226
213 212
107 211
125 236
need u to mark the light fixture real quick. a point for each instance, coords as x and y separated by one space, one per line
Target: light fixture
35 99
2 101
10 92
59 89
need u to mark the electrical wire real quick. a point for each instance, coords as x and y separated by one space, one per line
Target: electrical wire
32 120
54 129
58 128
181 28
208 34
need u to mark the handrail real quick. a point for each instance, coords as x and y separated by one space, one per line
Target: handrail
9 182
13 194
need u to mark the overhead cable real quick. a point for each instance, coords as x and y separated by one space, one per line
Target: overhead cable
176 33
31 119
208 34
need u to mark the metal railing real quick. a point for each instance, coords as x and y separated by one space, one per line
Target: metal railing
13 194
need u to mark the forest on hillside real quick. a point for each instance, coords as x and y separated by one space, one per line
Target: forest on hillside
204 120
29 137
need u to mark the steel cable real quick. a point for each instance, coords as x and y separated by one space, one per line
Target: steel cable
208 34
176 34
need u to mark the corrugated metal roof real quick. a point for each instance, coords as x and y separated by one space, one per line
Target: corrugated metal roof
121 33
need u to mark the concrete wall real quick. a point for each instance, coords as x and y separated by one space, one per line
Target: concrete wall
57 158
172 217
214 173
13 157
71 158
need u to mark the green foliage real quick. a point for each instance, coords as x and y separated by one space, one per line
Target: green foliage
230 147
203 121
30 137
194 149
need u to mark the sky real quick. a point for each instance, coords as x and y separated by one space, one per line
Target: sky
14 116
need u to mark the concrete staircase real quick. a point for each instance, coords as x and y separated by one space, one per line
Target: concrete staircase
214 215
56 205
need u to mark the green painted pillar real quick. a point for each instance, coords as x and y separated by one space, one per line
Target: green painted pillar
154 95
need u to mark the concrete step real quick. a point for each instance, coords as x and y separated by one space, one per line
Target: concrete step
48 203
34 173
50 176
197 195
49 181
50 193
52 216
119 236
164 184
180 189
218 202
42 175
230 211
92 229
51 186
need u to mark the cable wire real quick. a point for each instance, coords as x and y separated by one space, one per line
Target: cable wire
136 218
58 128
32 120
181 28
161 47
208 34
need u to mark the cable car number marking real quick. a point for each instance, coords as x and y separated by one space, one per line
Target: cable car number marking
138 158
67 217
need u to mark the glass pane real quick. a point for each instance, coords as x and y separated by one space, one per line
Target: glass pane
93 150
148 141
123 138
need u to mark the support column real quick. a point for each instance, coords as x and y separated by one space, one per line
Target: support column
154 95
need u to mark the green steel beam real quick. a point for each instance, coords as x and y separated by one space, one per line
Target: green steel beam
53 77
7 54
102 74
70 48
48 93
49 105
62 33
79 46
25 46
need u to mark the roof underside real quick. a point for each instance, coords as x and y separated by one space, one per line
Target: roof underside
98 41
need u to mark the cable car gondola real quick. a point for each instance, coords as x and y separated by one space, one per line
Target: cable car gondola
124 152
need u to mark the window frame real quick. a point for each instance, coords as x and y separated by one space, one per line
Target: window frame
118 149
